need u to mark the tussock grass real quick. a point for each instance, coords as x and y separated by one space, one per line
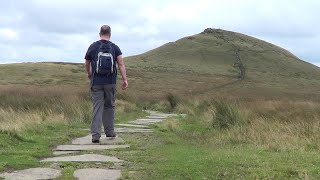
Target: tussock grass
21 106
157 105
272 124
226 116
126 107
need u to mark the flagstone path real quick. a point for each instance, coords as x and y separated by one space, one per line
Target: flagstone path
84 144
99 174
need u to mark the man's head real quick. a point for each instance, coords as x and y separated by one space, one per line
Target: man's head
105 31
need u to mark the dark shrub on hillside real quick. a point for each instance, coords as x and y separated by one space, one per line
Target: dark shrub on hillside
173 100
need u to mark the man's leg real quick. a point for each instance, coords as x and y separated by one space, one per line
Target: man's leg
109 110
97 94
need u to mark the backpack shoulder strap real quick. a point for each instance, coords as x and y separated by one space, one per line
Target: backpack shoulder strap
100 43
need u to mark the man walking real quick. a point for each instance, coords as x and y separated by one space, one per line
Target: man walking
101 62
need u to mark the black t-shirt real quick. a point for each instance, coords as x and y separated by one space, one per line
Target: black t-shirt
99 79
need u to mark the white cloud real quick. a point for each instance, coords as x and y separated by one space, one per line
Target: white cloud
65 29
8 34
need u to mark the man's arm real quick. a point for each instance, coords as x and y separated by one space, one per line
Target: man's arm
123 72
88 68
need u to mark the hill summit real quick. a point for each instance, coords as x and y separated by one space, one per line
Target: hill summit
232 37
224 49
224 57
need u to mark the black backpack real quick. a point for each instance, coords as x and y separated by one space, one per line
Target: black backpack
104 62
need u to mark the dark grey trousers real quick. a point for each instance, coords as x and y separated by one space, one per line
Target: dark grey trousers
103 97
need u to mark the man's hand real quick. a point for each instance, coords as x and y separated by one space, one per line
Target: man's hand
124 84
89 76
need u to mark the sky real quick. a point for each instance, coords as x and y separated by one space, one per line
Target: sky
62 30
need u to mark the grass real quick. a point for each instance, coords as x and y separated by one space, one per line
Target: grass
24 149
189 148
24 105
226 116
43 74
254 139
277 125
183 161
36 119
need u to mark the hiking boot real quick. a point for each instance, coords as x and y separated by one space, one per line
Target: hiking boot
111 134
94 140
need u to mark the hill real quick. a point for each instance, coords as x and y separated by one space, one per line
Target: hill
210 63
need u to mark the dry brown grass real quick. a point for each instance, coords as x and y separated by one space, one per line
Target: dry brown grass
15 121
274 124
23 105
32 90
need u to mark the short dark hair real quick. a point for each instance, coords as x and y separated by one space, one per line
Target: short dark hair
105 30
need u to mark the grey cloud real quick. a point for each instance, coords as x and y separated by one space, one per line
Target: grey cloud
79 18
66 28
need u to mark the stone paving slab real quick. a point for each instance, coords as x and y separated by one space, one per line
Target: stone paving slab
32 174
83 158
89 147
87 140
166 115
99 174
133 130
124 125
150 120
156 117
132 125
163 115
146 121
143 122
57 153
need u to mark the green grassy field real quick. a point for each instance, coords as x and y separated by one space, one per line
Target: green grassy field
263 127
